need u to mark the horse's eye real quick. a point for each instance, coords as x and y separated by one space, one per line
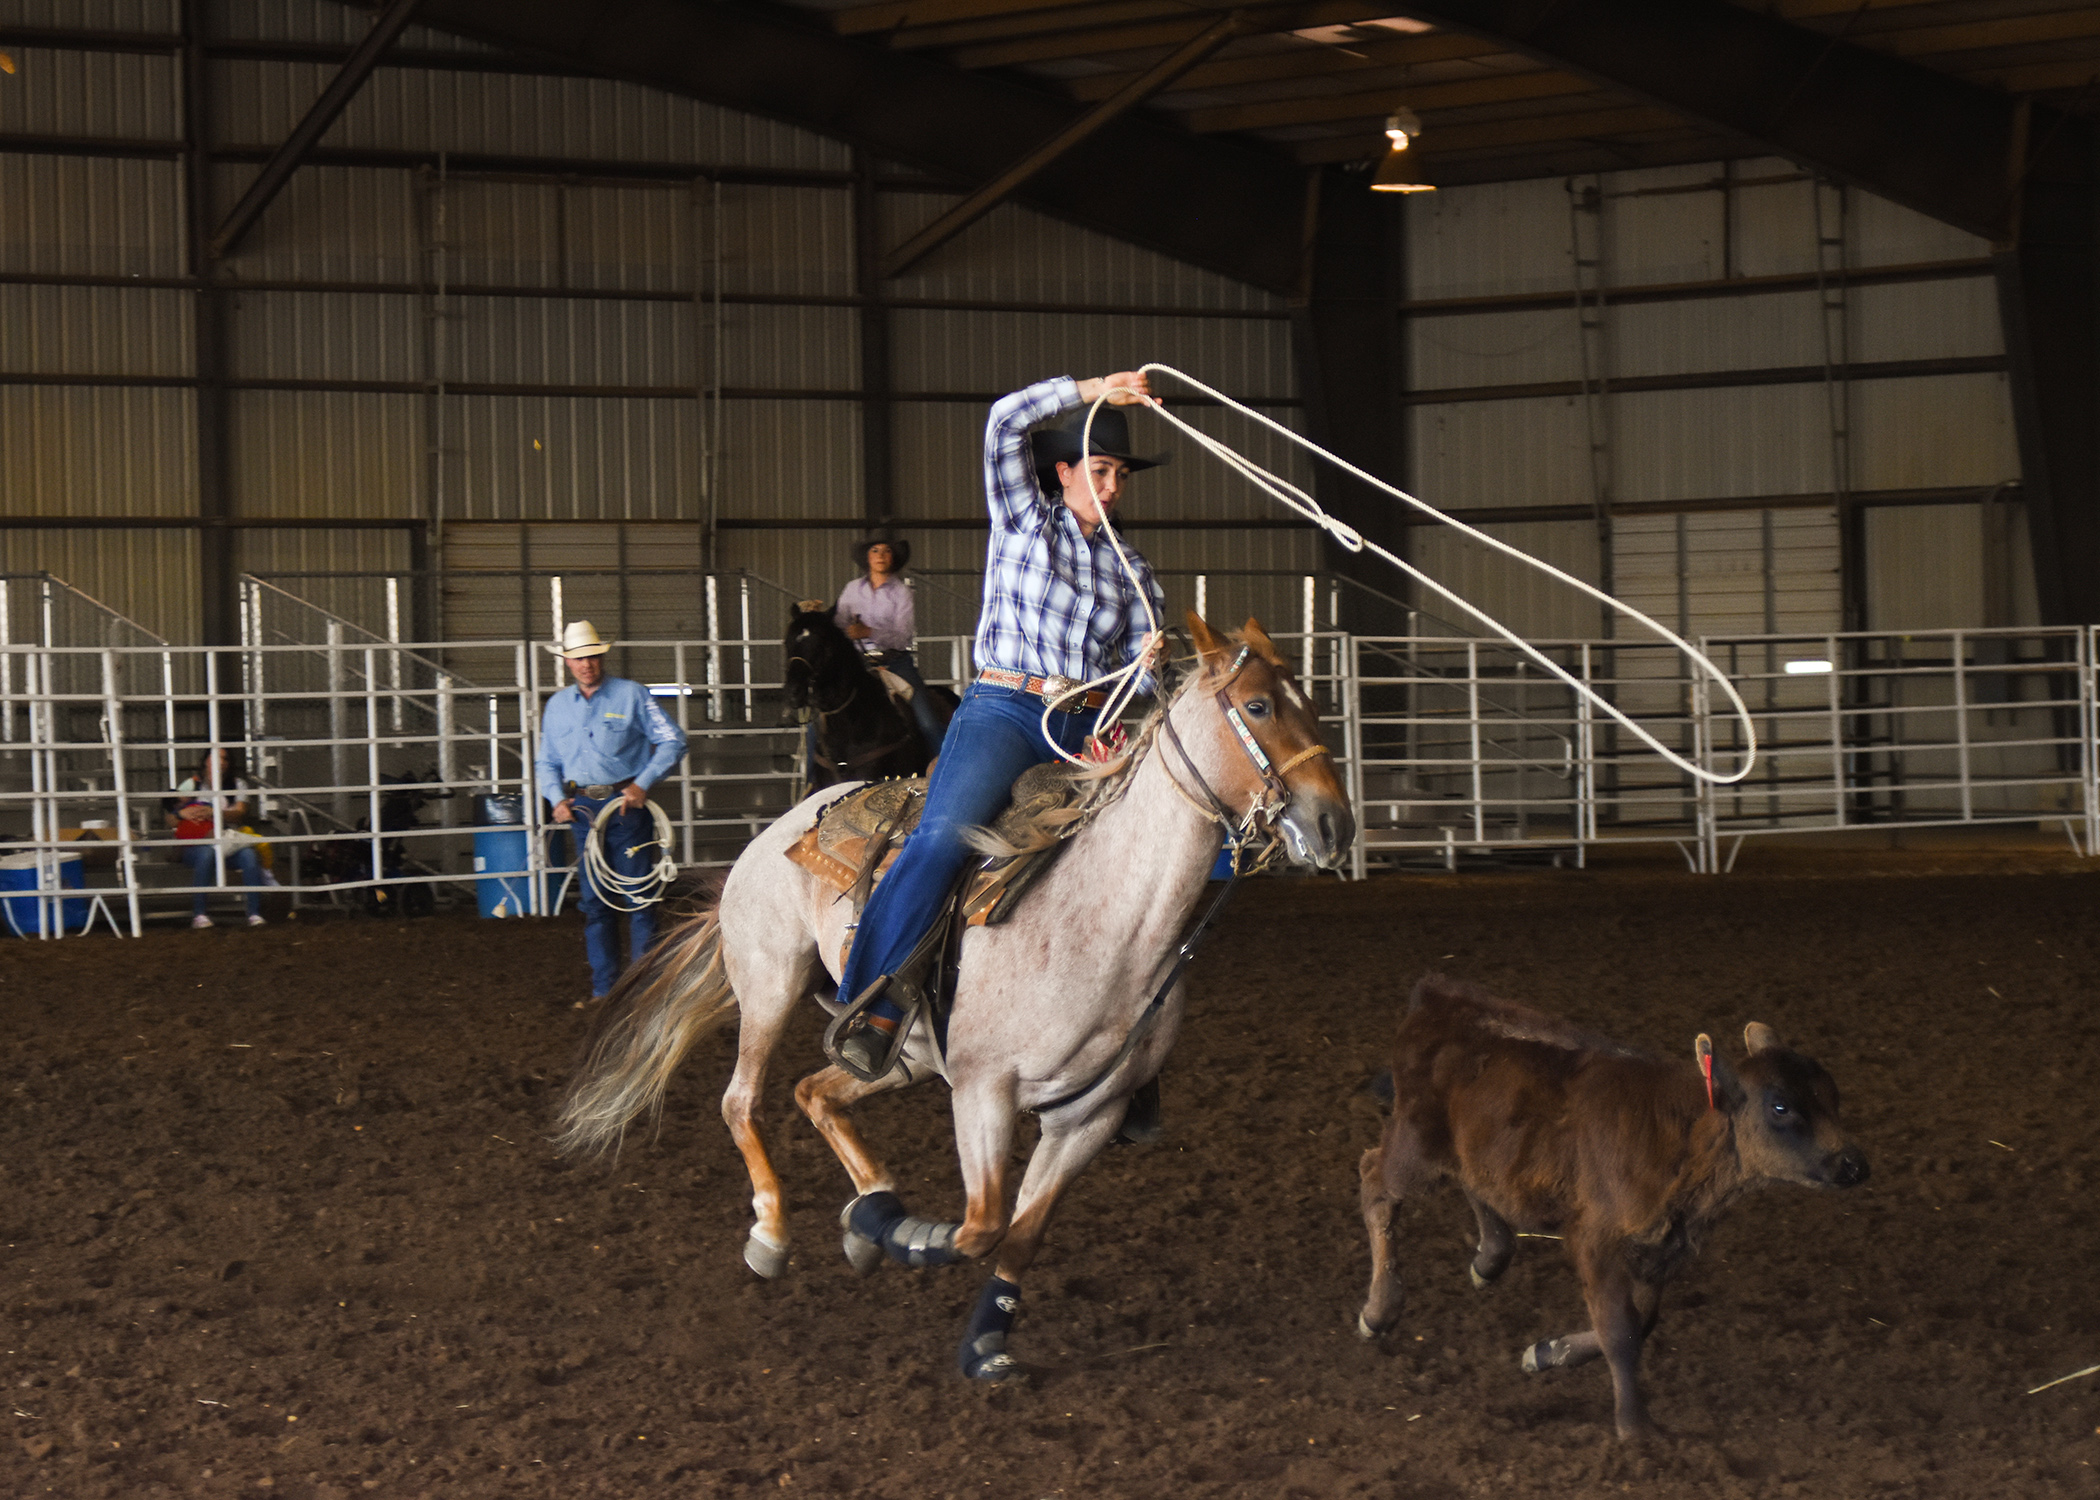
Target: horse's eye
1257 708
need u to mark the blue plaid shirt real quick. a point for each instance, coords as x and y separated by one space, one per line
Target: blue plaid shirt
1056 601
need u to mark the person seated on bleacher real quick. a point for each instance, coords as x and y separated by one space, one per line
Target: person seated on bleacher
190 814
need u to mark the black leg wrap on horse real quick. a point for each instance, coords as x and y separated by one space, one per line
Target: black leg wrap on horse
915 1242
983 1354
1546 1354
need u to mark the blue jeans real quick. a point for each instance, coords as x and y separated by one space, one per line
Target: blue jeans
204 871
601 923
995 735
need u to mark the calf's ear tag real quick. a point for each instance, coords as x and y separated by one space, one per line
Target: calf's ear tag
1703 1049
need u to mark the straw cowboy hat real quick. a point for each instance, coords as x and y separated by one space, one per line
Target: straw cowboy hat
580 638
1110 439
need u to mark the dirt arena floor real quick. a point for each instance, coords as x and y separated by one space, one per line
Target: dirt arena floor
279 1218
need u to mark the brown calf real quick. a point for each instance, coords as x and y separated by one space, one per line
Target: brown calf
1547 1129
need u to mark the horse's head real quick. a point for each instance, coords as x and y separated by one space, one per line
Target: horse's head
814 645
1267 755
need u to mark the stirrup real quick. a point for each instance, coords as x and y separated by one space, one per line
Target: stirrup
853 1017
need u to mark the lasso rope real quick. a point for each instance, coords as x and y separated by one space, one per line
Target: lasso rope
629 892
1298 500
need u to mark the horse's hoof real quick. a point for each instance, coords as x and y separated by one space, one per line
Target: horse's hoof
862 1253
996 1368
764 1257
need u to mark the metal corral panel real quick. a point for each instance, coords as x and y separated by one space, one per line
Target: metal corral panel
790 459
1493 453
77 216
1933 431
782 241
329 224
332 336
570 458
96 330
1016 254
328 453
1526 600
115 95
1754 440
1945 567
150 576
97 451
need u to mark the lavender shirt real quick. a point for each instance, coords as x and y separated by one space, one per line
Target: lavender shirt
887 611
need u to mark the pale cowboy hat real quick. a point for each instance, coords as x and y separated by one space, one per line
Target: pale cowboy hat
580 638
1110 439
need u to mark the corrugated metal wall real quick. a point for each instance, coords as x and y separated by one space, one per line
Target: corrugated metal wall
617 336
1706 386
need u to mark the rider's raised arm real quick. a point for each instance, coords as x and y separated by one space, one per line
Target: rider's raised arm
1012 495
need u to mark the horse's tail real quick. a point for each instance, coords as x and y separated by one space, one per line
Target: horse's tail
677 994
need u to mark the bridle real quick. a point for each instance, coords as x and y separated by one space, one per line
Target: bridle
1265 809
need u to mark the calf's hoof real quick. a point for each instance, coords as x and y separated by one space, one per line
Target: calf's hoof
765 1257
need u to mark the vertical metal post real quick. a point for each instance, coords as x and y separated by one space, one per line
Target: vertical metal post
1837 732
372 761
743 585
393 658
554 605
1353 748
36 684
525 669
1703 791
1310 614
338 726
120 786
258 716
1960 645
1202 597
1473 720
714 650
688 812
167 702
7 665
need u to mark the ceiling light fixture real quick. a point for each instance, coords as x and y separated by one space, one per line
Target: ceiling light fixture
1396 174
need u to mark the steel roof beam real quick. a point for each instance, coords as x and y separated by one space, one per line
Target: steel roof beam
1232 208
1932 143
327 109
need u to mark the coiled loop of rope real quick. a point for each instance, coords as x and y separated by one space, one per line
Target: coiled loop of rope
1298 500
629 892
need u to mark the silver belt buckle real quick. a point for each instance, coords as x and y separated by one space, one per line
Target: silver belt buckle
1060 688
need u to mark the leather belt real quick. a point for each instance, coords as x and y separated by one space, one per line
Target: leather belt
1059 689
595 793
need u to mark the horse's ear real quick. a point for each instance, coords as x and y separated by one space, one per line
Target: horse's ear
1208 646
1258 638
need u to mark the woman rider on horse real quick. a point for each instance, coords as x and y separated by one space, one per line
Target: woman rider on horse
1059 610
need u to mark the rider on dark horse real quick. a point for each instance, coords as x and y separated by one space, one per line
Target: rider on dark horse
1058 610
875 610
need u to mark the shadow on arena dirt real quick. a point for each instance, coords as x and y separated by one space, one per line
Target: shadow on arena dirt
279 1218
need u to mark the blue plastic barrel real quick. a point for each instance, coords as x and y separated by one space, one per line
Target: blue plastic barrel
18 872
499 865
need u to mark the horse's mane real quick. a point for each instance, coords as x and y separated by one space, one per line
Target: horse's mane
1099 783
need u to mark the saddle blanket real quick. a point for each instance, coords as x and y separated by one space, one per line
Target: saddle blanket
854 840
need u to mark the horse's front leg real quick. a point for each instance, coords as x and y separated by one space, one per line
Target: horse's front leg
1067 1147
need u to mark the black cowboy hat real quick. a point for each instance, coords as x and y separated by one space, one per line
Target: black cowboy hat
1110 439
900 552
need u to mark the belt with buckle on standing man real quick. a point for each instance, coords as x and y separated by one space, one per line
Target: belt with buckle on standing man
604 739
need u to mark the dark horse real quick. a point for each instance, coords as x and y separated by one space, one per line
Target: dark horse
863 734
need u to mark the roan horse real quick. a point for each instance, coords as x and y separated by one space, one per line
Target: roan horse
1064 1010
863 734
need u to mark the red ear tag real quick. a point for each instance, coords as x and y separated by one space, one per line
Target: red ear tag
1706 1066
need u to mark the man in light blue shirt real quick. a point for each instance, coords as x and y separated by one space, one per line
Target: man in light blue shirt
604 739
